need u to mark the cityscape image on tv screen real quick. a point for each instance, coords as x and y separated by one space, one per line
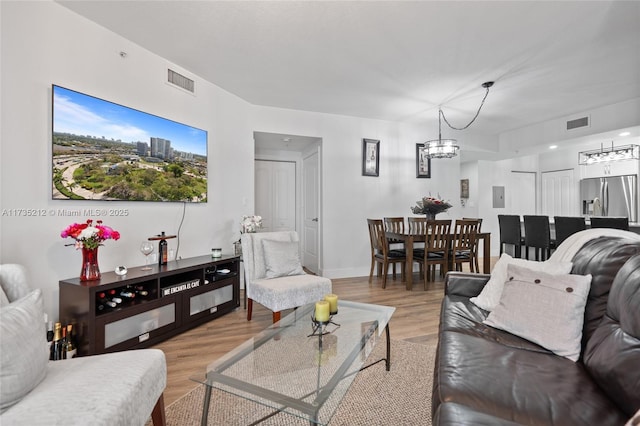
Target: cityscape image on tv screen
105 151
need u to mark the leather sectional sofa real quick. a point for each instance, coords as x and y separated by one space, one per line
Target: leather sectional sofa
488 376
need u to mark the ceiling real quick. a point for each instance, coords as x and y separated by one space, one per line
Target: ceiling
397 60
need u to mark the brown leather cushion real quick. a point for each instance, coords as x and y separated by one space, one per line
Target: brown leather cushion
612 355
520 385
602 258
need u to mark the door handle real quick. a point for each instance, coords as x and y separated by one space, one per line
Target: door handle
315 219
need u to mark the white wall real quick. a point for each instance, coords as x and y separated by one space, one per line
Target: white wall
470 208
44 43
350 198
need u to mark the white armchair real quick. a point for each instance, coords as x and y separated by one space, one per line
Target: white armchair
122 388
274 276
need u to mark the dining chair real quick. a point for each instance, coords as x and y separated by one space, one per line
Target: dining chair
479 219
417 226
436 249
381 254
511 233
464 246
610 222
566 226
395 224
537 235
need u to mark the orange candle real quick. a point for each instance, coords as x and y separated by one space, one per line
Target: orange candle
322 311
333 302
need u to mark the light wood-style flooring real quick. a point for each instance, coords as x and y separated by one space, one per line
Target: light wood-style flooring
415 319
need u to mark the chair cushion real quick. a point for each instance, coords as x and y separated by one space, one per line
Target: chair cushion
289 292
435 255
281 259
115 389
543 308
490 295
397 253
24 355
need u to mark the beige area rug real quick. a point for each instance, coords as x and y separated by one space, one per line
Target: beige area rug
401 396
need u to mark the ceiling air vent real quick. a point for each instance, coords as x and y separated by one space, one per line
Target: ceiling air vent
181 81
577 123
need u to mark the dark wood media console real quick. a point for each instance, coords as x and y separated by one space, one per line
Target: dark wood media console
154 306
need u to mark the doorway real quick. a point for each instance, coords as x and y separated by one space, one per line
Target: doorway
287 190
559 196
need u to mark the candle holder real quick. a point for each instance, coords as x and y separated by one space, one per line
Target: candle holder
319 328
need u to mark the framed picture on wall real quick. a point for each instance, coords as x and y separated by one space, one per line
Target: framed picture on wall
464 188
423 163
370 157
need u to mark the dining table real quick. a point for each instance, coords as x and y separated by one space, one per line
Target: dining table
409 239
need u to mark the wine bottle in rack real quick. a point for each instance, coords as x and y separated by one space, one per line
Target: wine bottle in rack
127 294
105 303
141 291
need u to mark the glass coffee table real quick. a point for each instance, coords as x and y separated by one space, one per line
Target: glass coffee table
298 368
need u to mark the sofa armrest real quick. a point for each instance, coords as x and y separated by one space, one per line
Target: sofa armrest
464 284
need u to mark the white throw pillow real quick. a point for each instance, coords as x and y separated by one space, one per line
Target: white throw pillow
490 294
23 357
543 308
281 259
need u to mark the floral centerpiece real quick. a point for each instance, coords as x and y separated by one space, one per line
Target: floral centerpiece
250 224
430 206
88 238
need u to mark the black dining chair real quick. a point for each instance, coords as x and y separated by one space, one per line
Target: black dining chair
537 235
511 233
610 222
566 226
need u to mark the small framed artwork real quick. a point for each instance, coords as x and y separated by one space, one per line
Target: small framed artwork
370 157
464 188
423 163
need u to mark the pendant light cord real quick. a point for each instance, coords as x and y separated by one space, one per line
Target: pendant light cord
486 86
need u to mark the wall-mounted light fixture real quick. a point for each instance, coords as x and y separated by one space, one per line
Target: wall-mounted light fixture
622 152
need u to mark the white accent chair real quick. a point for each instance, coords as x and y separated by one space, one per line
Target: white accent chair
116 389
273 275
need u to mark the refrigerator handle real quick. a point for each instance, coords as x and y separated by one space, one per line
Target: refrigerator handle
601 199
605 199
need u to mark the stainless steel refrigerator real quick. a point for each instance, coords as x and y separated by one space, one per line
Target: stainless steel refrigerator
610 196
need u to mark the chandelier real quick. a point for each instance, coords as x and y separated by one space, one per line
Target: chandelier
623 152
448 148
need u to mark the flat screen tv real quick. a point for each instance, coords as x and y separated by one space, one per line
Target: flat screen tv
105 151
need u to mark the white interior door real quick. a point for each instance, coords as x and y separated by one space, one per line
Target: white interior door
559 195
275 194
310 211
